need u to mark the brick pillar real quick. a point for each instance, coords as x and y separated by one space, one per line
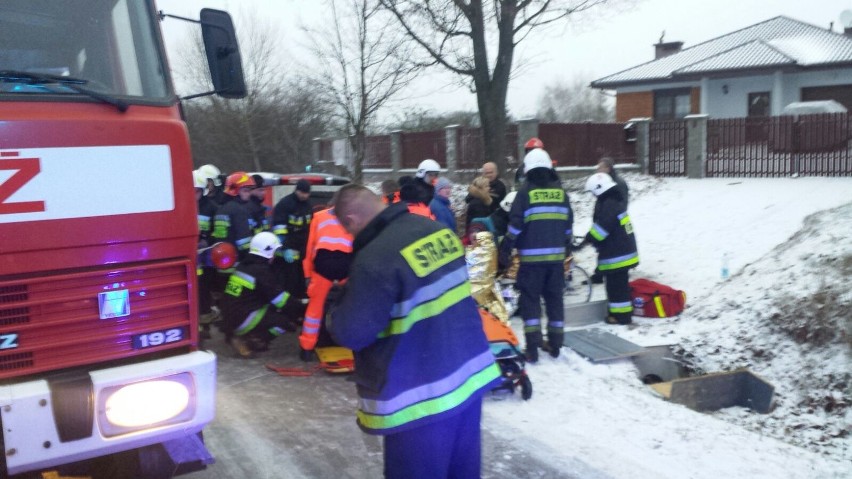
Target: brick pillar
452 132
527 129
396 152
696 145
643 137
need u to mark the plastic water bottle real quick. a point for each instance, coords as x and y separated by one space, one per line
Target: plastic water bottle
726 272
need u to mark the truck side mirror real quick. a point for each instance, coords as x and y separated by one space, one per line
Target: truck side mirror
223 53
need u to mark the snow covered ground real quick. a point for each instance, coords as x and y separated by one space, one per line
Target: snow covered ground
784 313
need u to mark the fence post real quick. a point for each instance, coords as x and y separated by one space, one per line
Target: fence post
527 129
643 142
452 135
396 151
696 146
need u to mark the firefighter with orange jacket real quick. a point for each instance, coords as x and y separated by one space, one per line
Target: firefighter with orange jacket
327 259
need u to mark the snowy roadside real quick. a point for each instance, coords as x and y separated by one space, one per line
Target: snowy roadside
599 420
602 415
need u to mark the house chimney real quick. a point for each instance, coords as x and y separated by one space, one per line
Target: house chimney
665 49
848 32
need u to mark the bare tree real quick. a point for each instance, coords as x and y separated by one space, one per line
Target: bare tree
255 133
574 101
363 65
455 34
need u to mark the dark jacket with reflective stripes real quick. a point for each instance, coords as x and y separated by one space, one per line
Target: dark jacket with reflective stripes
206 214
232 223
291 220
612 233
406 311
252 287
540 221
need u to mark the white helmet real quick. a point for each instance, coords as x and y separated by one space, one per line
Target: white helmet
506 204
537 158
264 244
199 180
427 166
210 172
598 183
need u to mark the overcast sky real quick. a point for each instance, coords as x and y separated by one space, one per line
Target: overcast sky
601 43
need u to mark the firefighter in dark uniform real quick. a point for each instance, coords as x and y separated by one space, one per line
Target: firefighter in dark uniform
422 362
255 309
206 212
291 221
540 224
232 222
259 211
612 235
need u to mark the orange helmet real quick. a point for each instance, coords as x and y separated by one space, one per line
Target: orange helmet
533 143
237 180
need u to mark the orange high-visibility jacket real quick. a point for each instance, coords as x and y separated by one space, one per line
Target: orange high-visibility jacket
326 233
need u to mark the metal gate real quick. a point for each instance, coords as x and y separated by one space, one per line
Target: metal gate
667 148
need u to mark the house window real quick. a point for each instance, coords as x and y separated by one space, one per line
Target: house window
672 104
758 103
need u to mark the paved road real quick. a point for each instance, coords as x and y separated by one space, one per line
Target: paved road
269 426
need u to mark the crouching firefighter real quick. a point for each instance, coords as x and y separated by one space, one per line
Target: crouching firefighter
255 309
540 222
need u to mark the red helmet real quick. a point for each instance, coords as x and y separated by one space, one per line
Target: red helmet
237 180
533 143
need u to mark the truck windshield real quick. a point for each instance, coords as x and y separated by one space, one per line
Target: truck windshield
76 47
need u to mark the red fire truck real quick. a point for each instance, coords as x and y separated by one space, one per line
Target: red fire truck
99 352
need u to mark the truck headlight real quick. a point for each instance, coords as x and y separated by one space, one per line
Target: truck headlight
143 405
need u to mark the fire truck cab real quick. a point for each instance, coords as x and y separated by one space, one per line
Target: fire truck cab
99 357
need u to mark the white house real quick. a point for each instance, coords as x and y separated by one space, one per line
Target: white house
754 71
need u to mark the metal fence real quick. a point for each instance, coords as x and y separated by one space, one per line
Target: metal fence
471 154
667 148
584 144
809 145
417 146
378 152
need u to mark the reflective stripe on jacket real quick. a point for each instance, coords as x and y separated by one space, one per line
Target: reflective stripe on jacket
407 313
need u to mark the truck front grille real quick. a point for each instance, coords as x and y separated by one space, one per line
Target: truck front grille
53 322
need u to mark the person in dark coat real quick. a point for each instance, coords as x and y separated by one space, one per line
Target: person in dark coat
540 223
479 200
496 188
259 211
291 222
422 362
612 235
206 274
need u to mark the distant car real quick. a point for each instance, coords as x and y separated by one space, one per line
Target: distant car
323 186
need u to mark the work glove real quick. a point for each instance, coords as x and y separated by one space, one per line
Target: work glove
290 255
306 355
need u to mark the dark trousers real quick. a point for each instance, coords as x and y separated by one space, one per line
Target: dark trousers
537 281
205 284
291 276
449 448
618 296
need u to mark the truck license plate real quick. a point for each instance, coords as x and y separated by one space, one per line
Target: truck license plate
158 338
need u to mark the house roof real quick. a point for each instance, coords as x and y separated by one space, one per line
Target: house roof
779 42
